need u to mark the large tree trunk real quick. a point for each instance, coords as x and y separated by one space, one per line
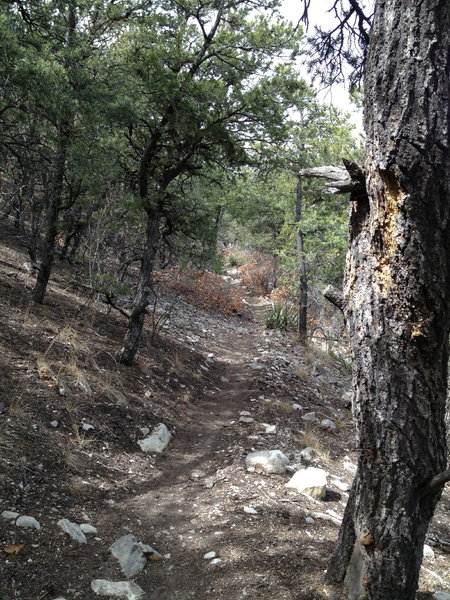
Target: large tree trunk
397 302
141 297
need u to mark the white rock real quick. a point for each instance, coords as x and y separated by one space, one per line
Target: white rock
245 413
297 406
441 596
25 521
88 528
250 510
54 423
310 481
215 561
270 428
120 589
344 487
10 515
73 530
246 420
224 379
129 553
87 427
267 461
157 441
428 551
209 555
311 416
328 424
144 430
350 467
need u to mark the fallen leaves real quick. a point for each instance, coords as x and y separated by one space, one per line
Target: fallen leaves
12 549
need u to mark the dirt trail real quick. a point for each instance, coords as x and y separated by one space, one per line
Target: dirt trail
190 506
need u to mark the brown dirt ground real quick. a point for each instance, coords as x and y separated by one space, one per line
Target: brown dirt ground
190 499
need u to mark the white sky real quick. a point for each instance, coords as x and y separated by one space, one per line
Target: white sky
338 95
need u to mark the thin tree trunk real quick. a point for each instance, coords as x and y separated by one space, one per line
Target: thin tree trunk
56 192
54 206
302 274
397 302
133 335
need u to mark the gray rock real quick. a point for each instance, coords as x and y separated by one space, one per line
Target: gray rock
87 427
73 530
296 406
149 551
157 441
306 455
209 555
328 424
120 589
347 399
10 515
267 461
428 551
441 596
224 379
309 520
255 366
246 420
129 553
54 423
310 481
87 528
215 561
311 416
25 521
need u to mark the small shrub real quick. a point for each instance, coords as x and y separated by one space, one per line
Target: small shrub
258 273
283 316
235 261
202 288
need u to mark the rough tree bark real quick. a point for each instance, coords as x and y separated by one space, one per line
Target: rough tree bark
138 313
397 294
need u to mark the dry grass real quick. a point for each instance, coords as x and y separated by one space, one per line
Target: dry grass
301 373
311 440
70 457
77 376
113 394
79 438
19 409
177 366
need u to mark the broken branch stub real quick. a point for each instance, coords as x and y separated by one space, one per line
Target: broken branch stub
341 180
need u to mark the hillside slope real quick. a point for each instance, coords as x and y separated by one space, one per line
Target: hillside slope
72 418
